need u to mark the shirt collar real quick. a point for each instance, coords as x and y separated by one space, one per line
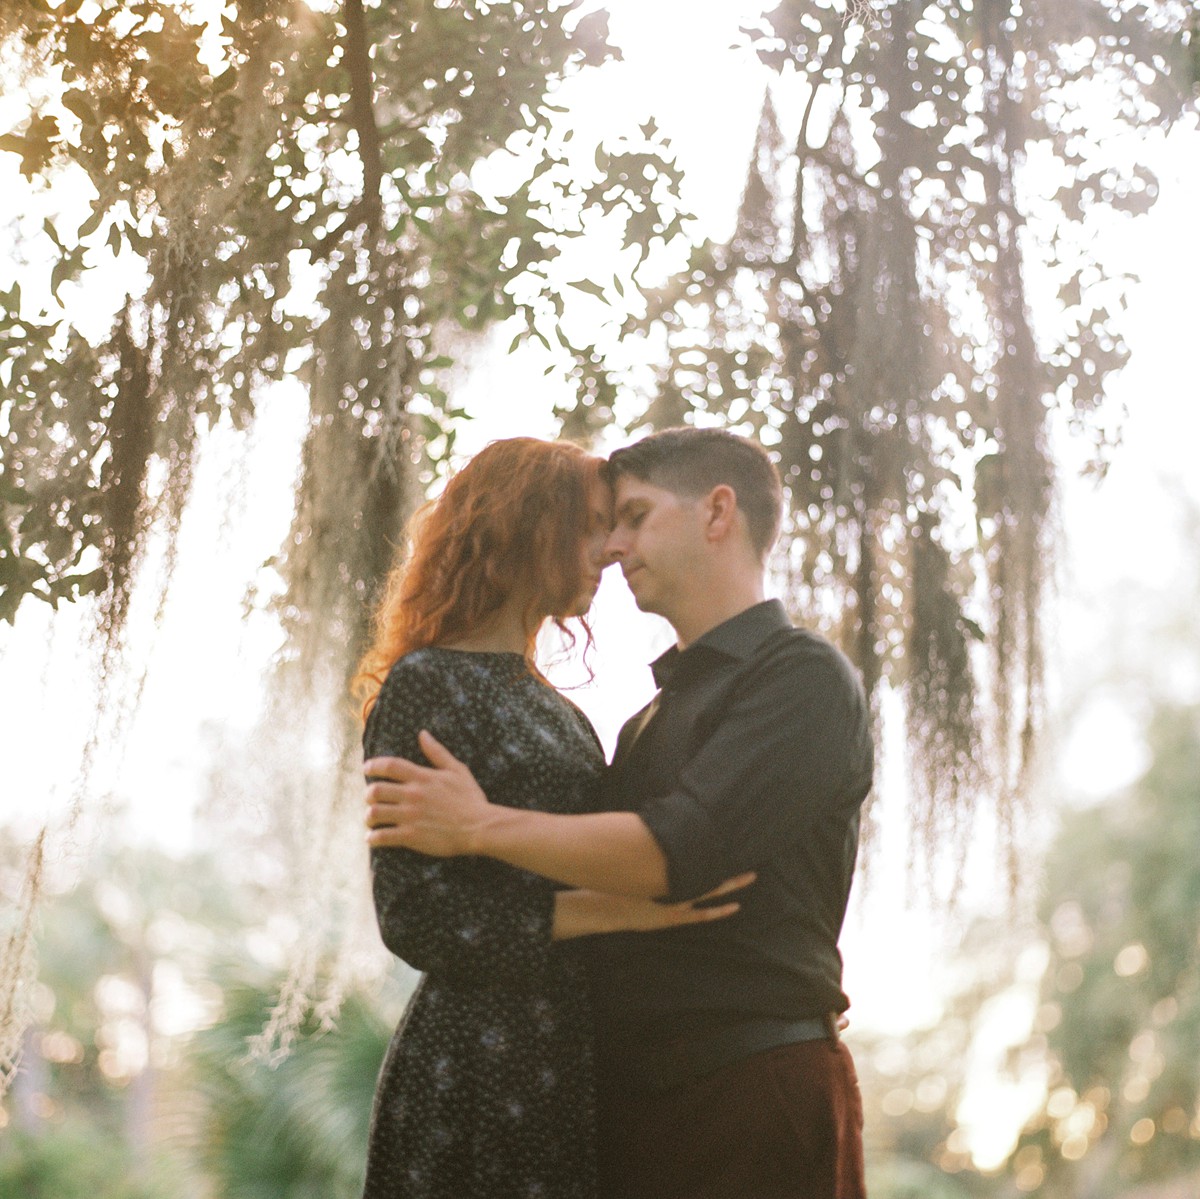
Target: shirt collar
738 637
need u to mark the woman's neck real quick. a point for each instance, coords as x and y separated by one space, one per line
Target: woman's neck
505 632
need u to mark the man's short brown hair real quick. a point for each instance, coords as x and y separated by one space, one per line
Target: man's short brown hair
691 462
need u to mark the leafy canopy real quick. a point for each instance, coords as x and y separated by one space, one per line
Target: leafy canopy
293 194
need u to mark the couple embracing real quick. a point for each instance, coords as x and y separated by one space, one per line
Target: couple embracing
631 983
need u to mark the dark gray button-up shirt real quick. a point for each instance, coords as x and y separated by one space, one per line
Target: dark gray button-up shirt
755 755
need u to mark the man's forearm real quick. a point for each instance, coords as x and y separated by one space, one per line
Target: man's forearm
441 810
604 851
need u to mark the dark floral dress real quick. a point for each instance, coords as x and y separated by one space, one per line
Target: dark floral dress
486 1089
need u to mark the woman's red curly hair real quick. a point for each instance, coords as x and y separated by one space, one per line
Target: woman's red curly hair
514 516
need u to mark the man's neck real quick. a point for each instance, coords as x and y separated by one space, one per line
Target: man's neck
715 605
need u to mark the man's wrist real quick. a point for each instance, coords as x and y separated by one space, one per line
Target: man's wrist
485 834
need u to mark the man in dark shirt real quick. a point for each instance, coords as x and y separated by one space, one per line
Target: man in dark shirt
720 1071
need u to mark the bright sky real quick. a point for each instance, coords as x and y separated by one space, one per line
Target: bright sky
205 663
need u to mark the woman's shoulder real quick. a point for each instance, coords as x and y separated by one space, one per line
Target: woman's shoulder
427 688
455 675
418 669
573 710
429 661
585 723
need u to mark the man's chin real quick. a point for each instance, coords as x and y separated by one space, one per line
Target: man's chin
644 602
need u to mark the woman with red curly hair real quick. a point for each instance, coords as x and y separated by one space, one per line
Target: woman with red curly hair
486 1090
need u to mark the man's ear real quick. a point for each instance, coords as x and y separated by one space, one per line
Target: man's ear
721 512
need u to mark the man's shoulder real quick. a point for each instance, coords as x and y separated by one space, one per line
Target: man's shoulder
808 658
800 644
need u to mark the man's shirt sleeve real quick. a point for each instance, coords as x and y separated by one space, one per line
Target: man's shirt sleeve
791 748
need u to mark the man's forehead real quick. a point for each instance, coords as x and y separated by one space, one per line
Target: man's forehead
632 490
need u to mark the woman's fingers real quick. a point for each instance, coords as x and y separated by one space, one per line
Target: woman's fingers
730 884
699 910
700 915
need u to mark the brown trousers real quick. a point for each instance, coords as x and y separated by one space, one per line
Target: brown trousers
784 1124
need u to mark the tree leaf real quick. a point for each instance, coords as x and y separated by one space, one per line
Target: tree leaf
588 287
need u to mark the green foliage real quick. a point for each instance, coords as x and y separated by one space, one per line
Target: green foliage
871 318
914 1180
145 935
104 951
1122 991
297 1130
906 1139
1116 1031
74 1161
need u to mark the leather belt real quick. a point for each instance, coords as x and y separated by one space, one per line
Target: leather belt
663 1066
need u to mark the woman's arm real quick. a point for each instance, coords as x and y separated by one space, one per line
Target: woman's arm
466 918
584 913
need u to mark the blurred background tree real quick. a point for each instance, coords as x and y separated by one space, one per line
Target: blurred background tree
298 1130
138 1082
1109 1047
1121 1000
